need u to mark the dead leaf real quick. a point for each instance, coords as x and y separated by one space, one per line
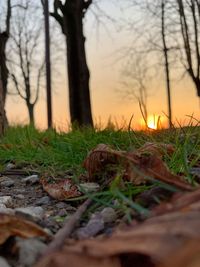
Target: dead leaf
61 189
139 165
159 149
180 201
151 165
153 241
98 158
187 255
11 225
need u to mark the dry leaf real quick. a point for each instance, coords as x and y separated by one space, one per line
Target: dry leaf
180 201
187 255
153 241
98 158
151 165
160 149
61 189
11 225
139 165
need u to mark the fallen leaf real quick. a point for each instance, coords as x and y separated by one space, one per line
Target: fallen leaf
159 149
153 242
98 158
187 255
180 201
151 165
61 189
11 225
139 165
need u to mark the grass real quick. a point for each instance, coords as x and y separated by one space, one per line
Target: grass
53 153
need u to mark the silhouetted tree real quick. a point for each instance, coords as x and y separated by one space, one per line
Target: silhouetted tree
166 58
25 65
189 15
3 67
70 16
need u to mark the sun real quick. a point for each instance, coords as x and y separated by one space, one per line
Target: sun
153 122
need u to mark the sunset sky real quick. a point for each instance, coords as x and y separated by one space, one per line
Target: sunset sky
103 45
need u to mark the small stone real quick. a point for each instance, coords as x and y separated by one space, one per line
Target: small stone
7 211
29 250
62 213
108 215
20 190
93 227
20 196
7 201
7 183
3 262
89 187
10 166
43 201
195 171
32 179
37 213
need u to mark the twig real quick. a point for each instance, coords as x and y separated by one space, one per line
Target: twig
65 232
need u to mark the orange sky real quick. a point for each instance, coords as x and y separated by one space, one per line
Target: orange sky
105 80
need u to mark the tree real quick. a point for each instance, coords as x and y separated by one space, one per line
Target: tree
3 67
136 73
70 16
166 58
26 67
158 28
189 14
45 4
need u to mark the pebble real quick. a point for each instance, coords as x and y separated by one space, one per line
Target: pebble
43 201
20 196
89 187
32 179
3 262
10 166
7 201
195 171
7 211
93 227
7 183
62 213
29 250
108 215
37 213
63 205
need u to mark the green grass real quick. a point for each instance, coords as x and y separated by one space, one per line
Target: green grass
53 153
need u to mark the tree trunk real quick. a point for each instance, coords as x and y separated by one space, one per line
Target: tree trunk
31 113
4 69
197 85
2 111
78 72
165 52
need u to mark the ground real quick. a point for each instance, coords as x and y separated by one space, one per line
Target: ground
39 170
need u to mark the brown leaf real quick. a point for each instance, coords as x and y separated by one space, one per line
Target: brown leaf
153 241
98 158
61 189
139 165
152 166
180 201
160 149
11 225
187 255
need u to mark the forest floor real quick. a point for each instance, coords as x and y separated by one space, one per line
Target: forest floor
107 198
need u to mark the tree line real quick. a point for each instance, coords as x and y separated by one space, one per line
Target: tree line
174 35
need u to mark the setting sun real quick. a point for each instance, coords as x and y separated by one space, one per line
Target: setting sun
153 122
